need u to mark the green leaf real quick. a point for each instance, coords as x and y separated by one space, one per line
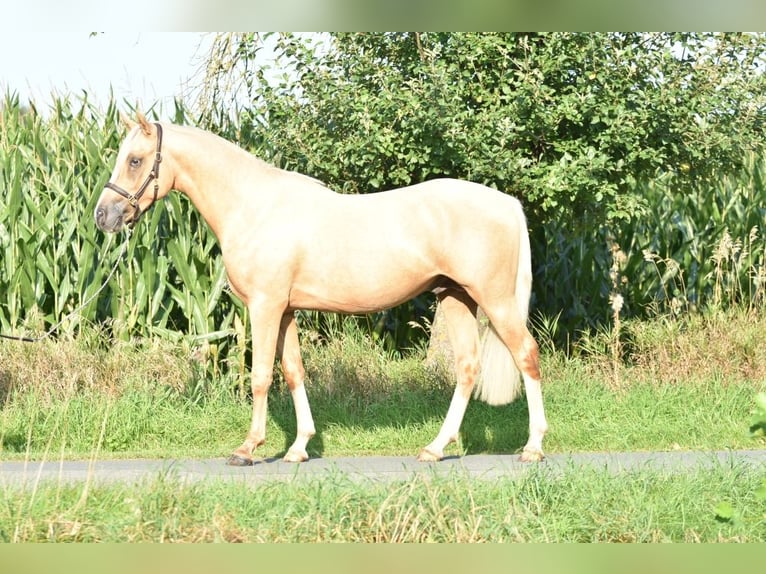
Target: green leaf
724 511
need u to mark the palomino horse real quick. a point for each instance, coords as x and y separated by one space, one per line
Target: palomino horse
288 243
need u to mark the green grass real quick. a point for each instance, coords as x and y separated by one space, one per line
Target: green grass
92 396
584 417
685 382
150 398
578 506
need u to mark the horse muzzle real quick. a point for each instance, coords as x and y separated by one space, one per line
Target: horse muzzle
111 218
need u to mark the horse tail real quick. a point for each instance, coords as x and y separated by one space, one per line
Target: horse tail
499 381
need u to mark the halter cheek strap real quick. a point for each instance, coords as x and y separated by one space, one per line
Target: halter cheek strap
154 174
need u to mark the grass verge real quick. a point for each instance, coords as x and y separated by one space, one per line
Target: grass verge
578 506
73 398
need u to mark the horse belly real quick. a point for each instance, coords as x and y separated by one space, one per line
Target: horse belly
351 284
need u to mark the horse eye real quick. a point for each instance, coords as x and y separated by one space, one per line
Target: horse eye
135 162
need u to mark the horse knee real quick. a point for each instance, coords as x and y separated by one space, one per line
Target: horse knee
467 368
260 380
466 371
523 348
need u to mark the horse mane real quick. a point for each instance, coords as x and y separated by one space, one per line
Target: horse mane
308 177
270 168
264 165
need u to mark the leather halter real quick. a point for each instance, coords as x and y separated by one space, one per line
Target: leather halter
154 174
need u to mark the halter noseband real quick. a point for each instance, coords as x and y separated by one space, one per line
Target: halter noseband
154 174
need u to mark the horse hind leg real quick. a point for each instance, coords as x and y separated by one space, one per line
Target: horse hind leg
460 314
510 327
292 368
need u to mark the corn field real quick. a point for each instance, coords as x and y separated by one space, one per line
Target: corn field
170 280
691 248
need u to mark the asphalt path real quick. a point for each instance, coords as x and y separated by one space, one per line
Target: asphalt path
369 468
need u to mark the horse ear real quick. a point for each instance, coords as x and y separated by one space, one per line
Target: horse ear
126 121
146 127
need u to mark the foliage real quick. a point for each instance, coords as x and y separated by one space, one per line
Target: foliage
619 144
758 423
565 121
695 247
90 396
48 170
725 510
153 398
577 125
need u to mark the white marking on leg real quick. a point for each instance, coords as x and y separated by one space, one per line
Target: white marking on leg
538 426
450 427
460 313
292 367
305 424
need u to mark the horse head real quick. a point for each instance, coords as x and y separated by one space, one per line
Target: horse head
137 169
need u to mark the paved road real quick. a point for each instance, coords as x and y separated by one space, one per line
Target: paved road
375 468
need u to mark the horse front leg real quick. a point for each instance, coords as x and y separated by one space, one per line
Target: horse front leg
288 348
265 332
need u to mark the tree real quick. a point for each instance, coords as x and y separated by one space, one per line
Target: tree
567 122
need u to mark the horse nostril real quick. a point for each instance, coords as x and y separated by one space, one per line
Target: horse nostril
100 216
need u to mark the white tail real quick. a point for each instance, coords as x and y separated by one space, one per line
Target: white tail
499 382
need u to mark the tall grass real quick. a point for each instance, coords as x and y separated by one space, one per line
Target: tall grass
687 387
48 172
692 248
700 248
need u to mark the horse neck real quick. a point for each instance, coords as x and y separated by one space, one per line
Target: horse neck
212 173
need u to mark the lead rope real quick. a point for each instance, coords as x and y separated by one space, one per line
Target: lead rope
82 305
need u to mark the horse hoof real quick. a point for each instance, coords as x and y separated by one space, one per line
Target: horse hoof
532 456
239 460
428 456
296 456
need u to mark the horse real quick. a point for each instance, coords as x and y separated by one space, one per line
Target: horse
288 243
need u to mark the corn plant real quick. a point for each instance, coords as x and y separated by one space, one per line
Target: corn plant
700 247
49 169
692 247
171 279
